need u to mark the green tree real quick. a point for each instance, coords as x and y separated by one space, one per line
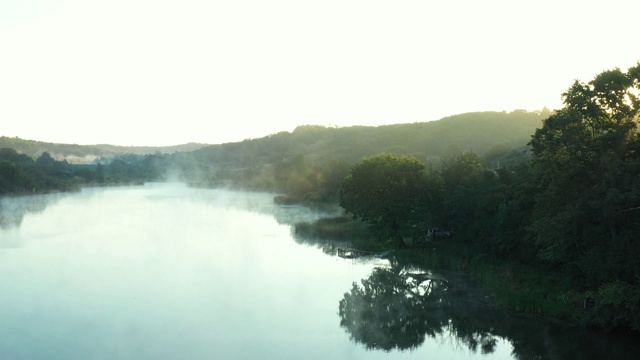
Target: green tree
586 160
45 160
473 194
327 179
10 177
99 173
384 191
432 207
8 154
513 240
292 177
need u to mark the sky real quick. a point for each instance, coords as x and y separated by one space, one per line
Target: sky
165 72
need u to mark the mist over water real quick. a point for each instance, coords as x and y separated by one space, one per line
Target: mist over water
13 209
164 271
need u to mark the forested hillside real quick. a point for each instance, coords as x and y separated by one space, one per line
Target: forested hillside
477 132
310 162
307 164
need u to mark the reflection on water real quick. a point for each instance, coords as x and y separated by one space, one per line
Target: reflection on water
164 271
398 308
260 203
13 209
168 272
329 247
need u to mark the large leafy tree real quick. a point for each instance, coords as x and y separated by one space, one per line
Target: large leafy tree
473 193
586 159
385 191
512 238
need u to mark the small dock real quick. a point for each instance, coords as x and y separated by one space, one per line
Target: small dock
355 253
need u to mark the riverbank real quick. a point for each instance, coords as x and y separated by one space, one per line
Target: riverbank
533 289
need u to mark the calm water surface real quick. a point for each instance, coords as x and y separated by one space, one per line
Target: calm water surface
169 272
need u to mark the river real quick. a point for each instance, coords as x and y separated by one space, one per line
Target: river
164 271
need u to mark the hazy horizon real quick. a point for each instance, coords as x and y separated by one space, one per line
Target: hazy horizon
257 137
141 73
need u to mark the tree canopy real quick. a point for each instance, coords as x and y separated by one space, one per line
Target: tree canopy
586 159
384 191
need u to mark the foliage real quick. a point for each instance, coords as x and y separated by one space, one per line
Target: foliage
21 174
473 194
339 232
586 163
384 191
570 214
266 163
343 228
617 305
328 153
512 236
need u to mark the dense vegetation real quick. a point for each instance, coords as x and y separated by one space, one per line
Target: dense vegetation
572 212
20 173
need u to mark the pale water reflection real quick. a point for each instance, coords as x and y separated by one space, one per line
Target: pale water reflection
13 209
170 272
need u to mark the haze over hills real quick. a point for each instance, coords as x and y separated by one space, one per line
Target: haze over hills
479 132
84 154
311 161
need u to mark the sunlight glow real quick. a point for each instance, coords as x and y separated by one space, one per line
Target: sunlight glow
162 73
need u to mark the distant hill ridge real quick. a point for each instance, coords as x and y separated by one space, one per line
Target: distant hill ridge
480 132
81 154
477 131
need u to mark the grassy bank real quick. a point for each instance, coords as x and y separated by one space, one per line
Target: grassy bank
516 287
344 228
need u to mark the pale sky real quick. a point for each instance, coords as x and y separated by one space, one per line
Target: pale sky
143 72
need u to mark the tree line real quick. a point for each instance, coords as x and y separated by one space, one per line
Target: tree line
21 174
573 206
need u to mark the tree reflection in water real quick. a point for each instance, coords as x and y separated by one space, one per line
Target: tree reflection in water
13 209
396 309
